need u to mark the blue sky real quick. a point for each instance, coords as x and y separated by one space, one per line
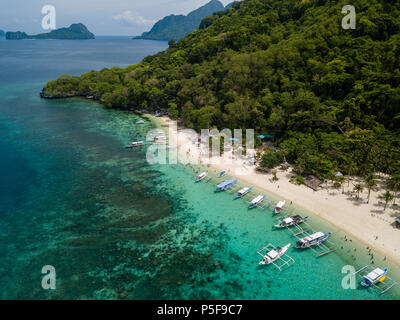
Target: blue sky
102 17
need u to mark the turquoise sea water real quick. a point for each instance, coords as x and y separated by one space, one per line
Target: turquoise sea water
115 227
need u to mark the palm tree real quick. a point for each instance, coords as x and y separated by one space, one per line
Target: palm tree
358 188
340 180
274 176
388 197
370 182
350 167
394 185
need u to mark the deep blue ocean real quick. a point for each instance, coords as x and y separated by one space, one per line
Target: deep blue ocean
114 226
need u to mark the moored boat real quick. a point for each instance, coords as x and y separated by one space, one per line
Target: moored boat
135 144
140 122
226 185
201 176
274 255
375 276
314 239
256 201
242 192
290 221
279 206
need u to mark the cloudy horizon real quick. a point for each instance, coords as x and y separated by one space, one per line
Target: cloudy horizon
102 17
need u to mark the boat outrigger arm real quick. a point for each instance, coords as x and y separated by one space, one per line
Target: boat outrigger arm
376 278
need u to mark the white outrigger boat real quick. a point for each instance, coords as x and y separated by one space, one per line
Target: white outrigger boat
374 277
256 201
201 176
242 192
135 144
279 206
290 221
140 122
226 185
272 254
314 239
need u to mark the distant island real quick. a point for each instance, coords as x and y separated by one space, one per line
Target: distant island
175 27
76 31
2 33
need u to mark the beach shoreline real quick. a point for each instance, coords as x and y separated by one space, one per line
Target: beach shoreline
330 205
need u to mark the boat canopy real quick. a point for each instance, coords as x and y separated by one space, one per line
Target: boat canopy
243 190
288 220
257 199
225 184
272 254
313 236
375 274
202 174
281 204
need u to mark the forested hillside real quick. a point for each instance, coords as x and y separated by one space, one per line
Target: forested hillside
287 68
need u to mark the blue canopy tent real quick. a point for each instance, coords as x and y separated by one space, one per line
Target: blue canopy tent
264 136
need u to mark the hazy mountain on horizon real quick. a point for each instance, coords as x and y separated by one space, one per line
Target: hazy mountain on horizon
176 27
2 33
76 31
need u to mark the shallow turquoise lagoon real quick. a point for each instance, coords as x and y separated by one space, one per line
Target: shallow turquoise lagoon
115 227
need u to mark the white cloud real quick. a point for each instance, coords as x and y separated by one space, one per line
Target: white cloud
128 18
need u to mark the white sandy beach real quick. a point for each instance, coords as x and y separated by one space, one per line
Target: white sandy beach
366 222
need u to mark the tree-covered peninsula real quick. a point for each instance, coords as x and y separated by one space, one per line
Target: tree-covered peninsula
330 96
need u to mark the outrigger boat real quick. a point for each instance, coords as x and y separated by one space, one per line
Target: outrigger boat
242 192
374 277
256 201
135 144
279 206
201 176
272 254
140 122
290 221
226 185
314 239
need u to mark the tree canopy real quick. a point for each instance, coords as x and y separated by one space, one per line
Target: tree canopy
331 96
